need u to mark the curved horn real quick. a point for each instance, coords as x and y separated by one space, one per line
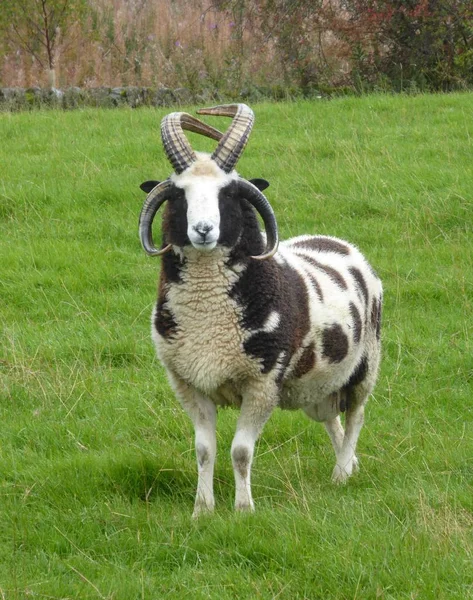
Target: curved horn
190 123
153 202
177 148
251 193
234 141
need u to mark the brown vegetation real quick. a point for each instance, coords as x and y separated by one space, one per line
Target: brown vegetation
232 45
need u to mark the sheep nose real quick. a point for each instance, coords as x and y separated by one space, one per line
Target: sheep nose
203 229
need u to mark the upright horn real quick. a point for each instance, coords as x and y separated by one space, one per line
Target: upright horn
177 148
233 143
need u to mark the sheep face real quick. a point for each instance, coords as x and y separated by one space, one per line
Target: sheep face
201 191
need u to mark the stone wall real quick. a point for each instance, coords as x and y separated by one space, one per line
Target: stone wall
13 99
30 98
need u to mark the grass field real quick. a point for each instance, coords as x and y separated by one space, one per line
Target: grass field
97 463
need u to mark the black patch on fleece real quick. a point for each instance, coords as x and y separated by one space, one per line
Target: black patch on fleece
282 290
357 325
376 310
360 283
334 343
257 300
378 322
306 362
316 286
264 287
334 275
263 345
323 244
164 321
358 375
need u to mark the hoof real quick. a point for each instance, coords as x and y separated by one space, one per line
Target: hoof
356 465
339 475
201 509
343 471
245 507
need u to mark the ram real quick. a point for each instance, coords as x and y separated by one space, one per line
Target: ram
242 320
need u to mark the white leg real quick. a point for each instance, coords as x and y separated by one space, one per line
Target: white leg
335 430
256 408
202 412
346 459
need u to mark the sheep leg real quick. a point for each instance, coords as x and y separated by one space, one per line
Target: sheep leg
203 414
335 431
346 459
256 408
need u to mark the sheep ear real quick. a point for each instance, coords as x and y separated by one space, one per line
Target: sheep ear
147 186
261 184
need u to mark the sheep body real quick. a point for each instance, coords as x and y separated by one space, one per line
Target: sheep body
299 331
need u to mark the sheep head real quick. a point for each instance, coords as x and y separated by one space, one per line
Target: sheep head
204 187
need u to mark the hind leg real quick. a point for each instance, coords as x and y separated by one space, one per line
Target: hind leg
327 411
335 431
347 462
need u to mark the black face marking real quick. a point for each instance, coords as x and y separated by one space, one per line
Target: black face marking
334 343
323 244
147 186
306 362
357 325
360 283
175 219
231 215
330 271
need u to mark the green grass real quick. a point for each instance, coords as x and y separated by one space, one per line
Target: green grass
97 465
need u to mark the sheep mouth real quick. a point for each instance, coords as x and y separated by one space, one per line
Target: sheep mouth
204 246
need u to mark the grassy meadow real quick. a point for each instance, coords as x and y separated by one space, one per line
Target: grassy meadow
97 468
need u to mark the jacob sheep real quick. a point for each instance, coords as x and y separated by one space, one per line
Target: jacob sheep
245 321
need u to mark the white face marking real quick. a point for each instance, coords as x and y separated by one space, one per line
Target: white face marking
201 183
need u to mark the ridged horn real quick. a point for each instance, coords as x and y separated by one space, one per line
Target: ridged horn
251 193
232 144
152 204
178 150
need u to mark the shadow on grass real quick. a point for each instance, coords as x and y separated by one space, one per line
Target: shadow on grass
146 479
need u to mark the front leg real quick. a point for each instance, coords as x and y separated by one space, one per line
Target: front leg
202 412
259 399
